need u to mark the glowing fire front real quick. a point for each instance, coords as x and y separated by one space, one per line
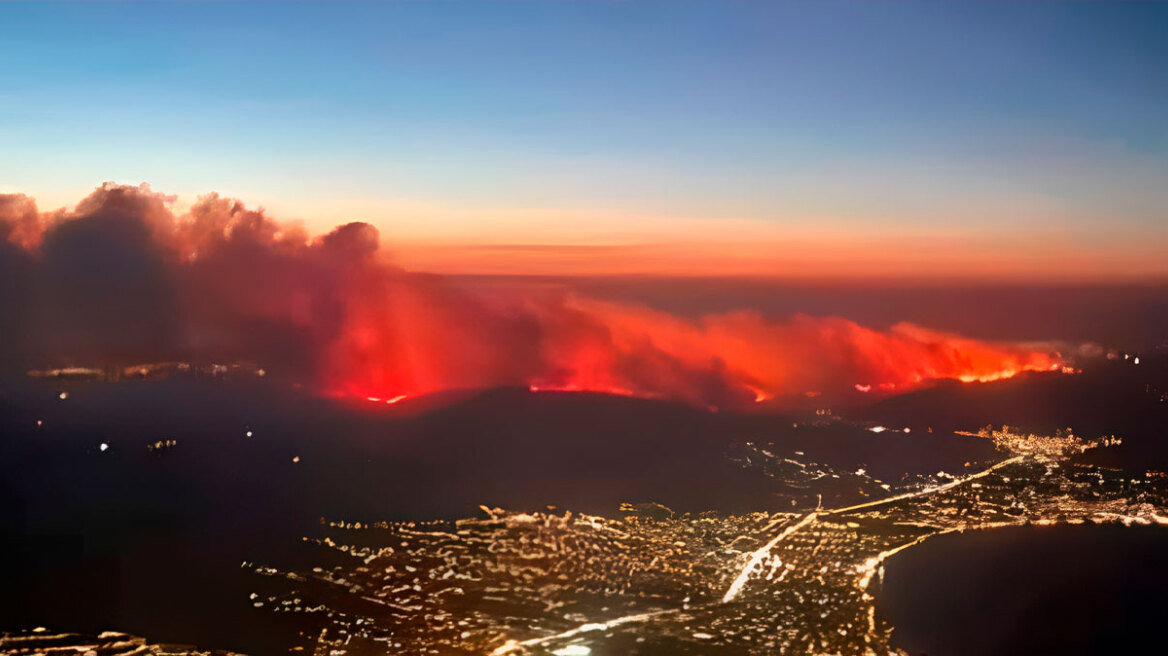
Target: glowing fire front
577 344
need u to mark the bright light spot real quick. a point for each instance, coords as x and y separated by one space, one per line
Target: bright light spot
399 397
295 458
877 429
104 446
63 395
991 377
40 422
863 388
248 434
1136 360
573 650
907 429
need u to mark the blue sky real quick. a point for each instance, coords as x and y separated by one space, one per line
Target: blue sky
607 122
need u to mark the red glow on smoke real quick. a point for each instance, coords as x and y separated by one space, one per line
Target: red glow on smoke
577 344
122 279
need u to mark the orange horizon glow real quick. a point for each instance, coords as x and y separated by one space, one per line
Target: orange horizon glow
825 259
429 237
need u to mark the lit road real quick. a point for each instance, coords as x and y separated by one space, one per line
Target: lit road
755 559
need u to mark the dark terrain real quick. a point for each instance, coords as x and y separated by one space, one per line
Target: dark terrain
150 541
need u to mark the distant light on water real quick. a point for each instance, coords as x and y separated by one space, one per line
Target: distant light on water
573 650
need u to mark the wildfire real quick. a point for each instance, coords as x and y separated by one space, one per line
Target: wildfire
389 401
334 311
584 345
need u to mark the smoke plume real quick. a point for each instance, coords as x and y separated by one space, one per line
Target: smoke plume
122 279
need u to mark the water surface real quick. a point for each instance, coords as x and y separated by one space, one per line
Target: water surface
1031 590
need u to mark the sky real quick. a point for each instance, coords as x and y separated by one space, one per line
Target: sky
803 139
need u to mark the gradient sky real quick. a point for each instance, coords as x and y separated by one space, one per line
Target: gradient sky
818 139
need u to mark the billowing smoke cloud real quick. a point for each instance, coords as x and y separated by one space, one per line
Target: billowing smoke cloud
121 279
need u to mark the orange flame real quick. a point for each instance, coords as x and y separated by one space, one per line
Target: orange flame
416 344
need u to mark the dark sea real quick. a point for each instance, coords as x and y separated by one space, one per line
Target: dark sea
1062 590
